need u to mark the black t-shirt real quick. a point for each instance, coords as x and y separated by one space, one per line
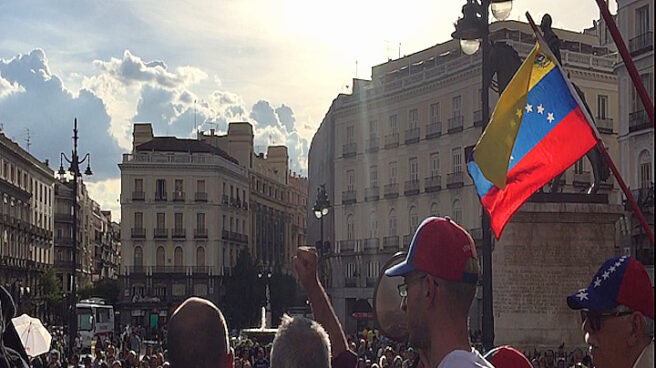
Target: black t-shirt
261 364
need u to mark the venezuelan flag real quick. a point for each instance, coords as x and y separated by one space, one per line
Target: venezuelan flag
538 130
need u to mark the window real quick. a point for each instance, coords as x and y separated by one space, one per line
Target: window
160 258
350 227
373 128
373 176
392 172
602 106
373 225
413 117
642 20
435 112
200 220
393 124
392 223
457 211
161 220
179 185
457 160
160 189
434 211
579 166
350 180
138 220
435 164
645 169
178 220
456 106
200 187
200 257
350 134
138 256
177 257
414 219
413 168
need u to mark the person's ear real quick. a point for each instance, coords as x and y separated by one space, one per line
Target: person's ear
637 333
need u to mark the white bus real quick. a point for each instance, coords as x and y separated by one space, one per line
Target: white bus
94 319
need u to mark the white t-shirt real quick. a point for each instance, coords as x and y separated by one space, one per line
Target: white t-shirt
464 359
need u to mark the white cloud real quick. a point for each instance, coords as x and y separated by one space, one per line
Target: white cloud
107 193
7 88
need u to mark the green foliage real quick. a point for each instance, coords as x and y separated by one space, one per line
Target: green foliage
50 286
283 295
84 291
106 289
244 295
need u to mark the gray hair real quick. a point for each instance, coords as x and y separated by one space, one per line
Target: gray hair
300 343
649 323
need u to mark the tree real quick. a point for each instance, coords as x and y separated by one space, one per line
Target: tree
283 295
50 288
244 295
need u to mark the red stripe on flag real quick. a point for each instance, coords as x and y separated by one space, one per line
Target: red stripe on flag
567 142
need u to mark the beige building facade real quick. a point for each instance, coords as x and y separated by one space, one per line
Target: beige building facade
635 20
394 152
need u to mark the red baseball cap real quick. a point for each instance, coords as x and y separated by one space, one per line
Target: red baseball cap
441 248
507 357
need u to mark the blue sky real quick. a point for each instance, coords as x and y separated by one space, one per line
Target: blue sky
276 64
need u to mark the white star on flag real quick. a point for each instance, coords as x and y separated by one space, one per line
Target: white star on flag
582 295
529 108
597 282
606 275
618 263
612 268
550 117
540 109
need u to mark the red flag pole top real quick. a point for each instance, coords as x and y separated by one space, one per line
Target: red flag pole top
604 151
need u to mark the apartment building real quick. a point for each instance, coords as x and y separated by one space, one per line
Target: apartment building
26 223
184 218
394 152
635 20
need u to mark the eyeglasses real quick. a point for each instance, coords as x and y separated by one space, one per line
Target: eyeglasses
403 288
594 318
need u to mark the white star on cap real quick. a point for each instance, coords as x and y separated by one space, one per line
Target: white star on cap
550 117
582 295
540 109
606 275
529 108
597 282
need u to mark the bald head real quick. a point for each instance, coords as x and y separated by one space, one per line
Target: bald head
198 336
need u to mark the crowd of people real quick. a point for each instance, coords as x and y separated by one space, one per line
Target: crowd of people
437 285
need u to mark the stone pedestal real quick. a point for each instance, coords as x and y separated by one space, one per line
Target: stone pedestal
548 251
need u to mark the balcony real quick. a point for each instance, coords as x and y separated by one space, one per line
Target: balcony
391 242
371 194
200 233
455 124
412 136
347 245
349 197
201 196
478 118
160 196
641 44
604 125
434 130
391 190
406 240
135 269
160 233
61 217
454 180
179 233
372 145
476 234
350 281
371 282
349 150
433 183
581 179
138 196
392 140
371 243
178 196
233 236
63 240
411 187
225 199
168 269
638 120
138 232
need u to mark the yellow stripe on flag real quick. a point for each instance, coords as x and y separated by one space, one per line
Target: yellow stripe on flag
492 153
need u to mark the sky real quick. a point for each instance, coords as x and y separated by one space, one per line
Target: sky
276 64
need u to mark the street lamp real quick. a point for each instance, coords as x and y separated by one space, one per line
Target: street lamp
321 209
472 30
74 169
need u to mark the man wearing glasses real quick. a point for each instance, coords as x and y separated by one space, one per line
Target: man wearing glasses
439 283
617 314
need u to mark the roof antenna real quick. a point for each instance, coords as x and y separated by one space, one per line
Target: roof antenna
195 127
399 50
29 144
356 69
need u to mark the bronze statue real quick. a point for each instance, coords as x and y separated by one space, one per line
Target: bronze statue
502 61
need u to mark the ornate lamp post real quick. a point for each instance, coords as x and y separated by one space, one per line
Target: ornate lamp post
74 169
473 30
321 209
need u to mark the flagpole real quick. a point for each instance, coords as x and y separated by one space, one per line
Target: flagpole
600 142
628 61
